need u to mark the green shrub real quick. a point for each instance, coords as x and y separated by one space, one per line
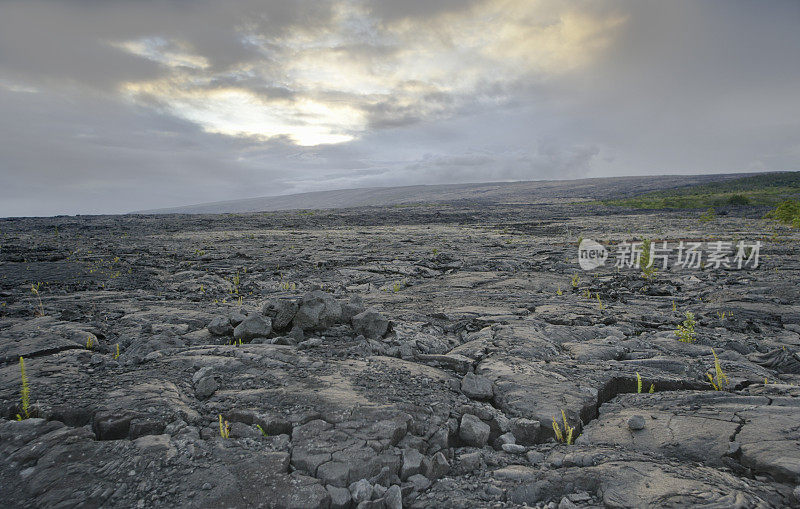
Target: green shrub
738 199
788 212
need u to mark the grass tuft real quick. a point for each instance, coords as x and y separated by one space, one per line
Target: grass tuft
24 393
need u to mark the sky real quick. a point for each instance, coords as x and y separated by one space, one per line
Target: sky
110 106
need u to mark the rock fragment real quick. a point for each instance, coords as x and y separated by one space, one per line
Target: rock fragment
254 326
370 323
473 431
476 387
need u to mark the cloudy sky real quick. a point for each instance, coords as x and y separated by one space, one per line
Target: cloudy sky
110 106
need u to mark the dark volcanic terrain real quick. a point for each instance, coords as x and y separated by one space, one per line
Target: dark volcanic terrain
410 356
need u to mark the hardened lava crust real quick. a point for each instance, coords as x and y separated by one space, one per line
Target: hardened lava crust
421 355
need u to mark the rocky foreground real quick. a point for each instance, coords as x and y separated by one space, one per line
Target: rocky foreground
405 357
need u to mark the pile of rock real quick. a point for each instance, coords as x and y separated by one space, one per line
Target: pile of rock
287 321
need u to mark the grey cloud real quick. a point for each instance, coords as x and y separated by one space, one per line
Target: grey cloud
683 87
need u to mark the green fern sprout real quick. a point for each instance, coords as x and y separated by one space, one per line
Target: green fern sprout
685 331
720 380
235 284
89 343
24 393
646 263
565 435
224 428
35 291
263 433
639 385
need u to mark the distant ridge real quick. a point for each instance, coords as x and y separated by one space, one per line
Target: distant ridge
539 191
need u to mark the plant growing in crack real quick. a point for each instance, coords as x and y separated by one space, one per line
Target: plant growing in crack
719 381
565 435
224 428
35 291
685 331
639 385
24 393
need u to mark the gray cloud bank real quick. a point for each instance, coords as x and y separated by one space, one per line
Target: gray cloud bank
112 106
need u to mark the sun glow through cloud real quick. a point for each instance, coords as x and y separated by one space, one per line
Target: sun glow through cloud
359 70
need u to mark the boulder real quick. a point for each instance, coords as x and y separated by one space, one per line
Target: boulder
351 308
526 431
220 326
254 326
370 323
205 387
476 387
318 311
412 463
473 431
280 311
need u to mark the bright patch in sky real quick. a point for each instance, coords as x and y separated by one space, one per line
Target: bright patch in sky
358 70
169 53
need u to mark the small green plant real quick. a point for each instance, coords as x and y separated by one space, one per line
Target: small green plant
599 302
708 215
565 435
639 385
587 294
720 380
35 291
89 343
24 393
396 287
435 251
287 286
647 263
674 307
576 280
224 428
685 331
559 291
116 354
263 433
235 280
